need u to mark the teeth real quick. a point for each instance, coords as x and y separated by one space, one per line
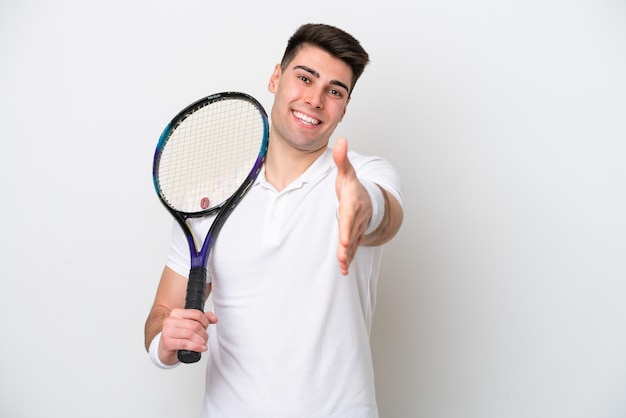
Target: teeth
306 119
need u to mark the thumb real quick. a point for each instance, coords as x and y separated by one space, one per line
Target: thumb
340 155
211 317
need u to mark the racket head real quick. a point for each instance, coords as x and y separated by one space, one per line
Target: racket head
208 151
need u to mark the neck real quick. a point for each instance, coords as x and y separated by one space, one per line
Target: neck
284 164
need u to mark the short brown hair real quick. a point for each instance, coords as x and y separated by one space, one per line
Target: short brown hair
333 40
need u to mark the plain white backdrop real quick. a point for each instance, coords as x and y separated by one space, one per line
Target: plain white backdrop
504 294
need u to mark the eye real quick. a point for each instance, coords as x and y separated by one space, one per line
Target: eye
304 78
335 93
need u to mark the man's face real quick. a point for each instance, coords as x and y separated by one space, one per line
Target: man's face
310 99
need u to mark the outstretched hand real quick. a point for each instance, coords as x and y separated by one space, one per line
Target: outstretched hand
355 206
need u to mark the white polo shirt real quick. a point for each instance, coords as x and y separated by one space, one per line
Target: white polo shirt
293 333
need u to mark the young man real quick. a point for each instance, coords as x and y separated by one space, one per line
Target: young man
293 273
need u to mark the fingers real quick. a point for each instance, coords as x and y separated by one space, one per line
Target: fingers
355 207
345 253
185 329
351 232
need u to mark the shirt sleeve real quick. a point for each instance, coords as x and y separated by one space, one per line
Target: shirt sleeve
378 170
178 256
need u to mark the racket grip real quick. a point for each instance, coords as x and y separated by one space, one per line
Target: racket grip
196 288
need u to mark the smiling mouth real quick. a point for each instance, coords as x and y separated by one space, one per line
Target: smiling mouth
306 119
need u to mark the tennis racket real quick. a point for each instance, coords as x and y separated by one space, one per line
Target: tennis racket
205 161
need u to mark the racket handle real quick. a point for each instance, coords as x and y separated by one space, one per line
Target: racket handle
196 288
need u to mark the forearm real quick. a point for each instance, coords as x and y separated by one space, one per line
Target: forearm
154 323
170 295
391 221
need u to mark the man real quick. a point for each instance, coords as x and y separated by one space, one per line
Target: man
293 272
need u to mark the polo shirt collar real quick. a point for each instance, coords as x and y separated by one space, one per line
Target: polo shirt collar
318 170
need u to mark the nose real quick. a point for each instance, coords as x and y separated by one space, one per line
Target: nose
314 98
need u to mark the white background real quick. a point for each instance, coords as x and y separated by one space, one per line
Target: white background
504 294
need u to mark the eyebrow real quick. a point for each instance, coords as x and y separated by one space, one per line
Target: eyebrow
317 75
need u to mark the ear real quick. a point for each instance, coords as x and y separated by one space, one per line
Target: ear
274 79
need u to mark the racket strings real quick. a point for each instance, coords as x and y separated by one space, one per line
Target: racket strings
210 154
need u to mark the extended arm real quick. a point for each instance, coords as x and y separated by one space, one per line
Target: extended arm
359 205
